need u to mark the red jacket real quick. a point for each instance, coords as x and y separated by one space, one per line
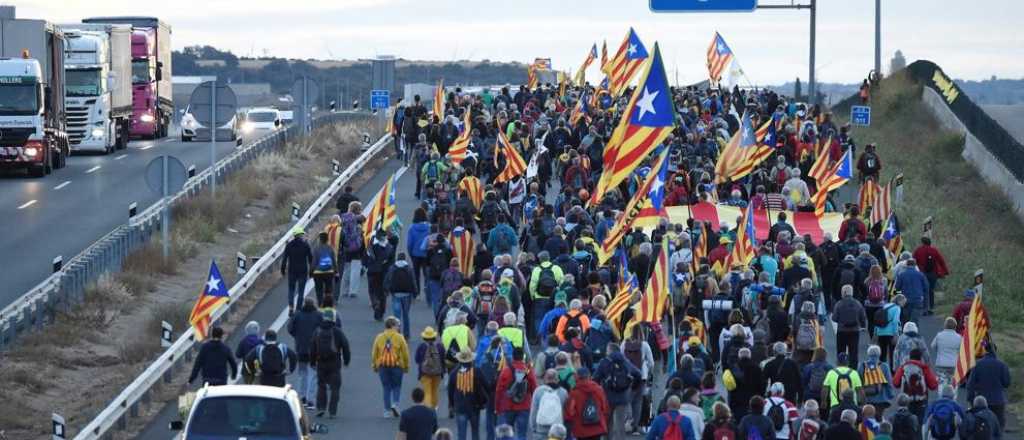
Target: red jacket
921 255
859 230
573 412
960 313
503 402
929 377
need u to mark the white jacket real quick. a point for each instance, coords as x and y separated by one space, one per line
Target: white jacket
696 416
946 347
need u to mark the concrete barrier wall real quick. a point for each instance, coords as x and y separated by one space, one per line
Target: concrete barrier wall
975 152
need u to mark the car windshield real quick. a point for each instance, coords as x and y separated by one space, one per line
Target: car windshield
261 117
82 82
140 72
232 418
18 99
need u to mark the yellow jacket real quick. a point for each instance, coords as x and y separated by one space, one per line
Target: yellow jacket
390 350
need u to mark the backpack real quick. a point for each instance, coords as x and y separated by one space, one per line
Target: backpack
432 172
327 352
573 321
489 213
598 337
817 379
903 426
453 349
352 233
913 383
325 261
674 430
633 350
549 359
809 430
549 410
707 404
976 428
806 335
881 317
591 413
271 361
489 367
432 364
876 291
843 381
942 423
485 293
546 283
439 262
777 414
520 386
618 379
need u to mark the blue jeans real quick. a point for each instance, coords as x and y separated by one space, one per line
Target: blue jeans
391 382
914 311
519 420
472 419
490 421
296 289
434 295
400 308
541 306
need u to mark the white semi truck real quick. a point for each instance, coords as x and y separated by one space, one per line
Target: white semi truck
98 90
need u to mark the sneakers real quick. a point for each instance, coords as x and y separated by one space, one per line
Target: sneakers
387 414
394 411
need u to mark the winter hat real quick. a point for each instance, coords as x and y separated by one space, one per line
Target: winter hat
252 328
969 293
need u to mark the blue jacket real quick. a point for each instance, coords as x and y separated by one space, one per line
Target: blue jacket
661 423
493 240
989 378
548 323
913 284
417 233
604 370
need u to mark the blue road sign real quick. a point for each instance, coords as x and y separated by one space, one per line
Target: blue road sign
703 5
380 99
860 115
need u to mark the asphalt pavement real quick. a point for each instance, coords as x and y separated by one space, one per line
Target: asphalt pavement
65 212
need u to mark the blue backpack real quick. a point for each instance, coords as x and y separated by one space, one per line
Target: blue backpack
598 337
942 424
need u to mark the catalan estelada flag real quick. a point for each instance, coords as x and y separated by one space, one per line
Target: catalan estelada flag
474 190
604 56
700 248
737 158
891 234
380 213
463 248
514 163
581 75
439 100
457 151
745 248
215 294
629 287
652 304
647 121
839 175
625 63
975 331
653 184
580 110
719 56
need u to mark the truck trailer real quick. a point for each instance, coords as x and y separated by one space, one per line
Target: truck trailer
97 68
152 102
32 121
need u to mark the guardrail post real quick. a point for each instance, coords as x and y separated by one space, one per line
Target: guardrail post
133 209
240 262
59 430
191 171
166 333
58 263
295 212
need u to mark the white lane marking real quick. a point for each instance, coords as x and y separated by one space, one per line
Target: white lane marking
92 170
168 139
121 157
398 174
66 183
146 147
27 204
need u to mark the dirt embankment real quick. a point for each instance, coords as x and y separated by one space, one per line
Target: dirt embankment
76 365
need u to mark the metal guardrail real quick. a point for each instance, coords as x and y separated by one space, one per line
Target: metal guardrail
66 286
126 403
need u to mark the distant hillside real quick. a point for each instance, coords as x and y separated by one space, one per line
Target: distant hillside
994 91
350 77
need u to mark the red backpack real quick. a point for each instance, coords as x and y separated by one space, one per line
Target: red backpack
674 431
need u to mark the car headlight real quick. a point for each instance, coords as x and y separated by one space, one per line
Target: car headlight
31 151
97 132
247 127
147 118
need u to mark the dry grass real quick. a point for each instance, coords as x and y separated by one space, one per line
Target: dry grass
974 225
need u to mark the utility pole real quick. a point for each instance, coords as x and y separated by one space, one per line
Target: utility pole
812 6
878 37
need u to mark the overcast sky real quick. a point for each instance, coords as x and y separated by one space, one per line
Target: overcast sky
969 39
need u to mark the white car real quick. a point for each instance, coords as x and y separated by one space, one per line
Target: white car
259 121
192 130
232 412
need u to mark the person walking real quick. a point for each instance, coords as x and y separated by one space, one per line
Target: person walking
784 370
514 394
887 326
546 406
840 379
379 257
274 360
390 360
671 424
944 415
781 412
251 340
215 360
587 410
980 422
933 265
846 429
850 319
416 245
946 348
431 366
295 265
301 327
325 267
467 394
905 424
914 286
755 424
990 378
400 282
876 377
352 250
915 378
419 421
620 380
909 341
328 351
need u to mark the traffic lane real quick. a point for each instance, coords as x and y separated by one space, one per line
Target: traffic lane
274 302
65 221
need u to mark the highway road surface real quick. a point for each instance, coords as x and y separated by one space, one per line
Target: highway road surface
360 414
1011 117
65 212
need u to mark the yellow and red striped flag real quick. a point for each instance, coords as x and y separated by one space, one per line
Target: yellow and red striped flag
604 56
459 147
380 213
839 175
514 163
719 56
743 152
471 185
745 247
463 248
215 294
820 169
647 121
975 330
699 249
653 182
625 63
883 203
868 196
581 75
439 100
652 304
